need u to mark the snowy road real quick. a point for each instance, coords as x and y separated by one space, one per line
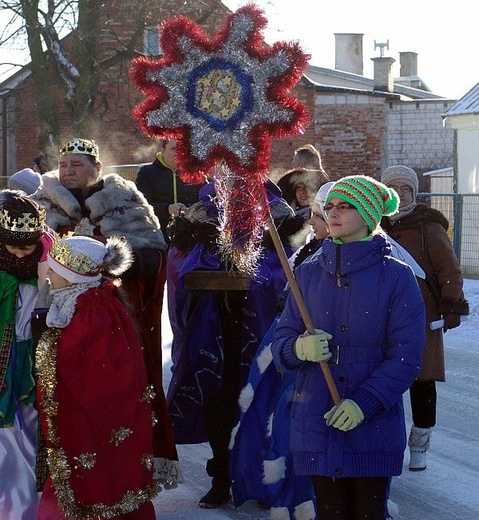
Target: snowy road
447 490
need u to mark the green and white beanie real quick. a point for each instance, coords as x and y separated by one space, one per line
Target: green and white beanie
373 199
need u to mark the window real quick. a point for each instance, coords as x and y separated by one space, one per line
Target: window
151 44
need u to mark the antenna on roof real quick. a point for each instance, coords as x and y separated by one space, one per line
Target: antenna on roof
382 46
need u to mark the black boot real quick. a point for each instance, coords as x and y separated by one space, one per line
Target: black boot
217 496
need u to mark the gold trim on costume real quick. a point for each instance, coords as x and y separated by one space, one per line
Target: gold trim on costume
60 470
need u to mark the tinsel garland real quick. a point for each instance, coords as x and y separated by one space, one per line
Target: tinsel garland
223 99
63 474
185 233
242 212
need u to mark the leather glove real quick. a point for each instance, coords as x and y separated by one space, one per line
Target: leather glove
313 347
451 321
345 416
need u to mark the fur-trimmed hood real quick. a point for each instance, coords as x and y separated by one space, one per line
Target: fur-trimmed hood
312 179
119 209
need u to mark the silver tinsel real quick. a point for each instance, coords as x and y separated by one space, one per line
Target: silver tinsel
176 78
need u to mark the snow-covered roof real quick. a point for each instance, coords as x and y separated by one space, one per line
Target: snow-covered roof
468 104
441 172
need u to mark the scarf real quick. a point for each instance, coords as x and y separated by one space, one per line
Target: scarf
22 268
9 387
64 301
403 211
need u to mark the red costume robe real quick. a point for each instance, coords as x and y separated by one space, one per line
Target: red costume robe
96 415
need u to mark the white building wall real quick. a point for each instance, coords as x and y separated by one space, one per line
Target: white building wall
468 161
416 135
467 128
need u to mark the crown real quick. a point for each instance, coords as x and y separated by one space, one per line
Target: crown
83 146
24 222
79 262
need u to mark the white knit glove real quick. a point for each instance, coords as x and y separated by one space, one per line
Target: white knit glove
313 347
345 416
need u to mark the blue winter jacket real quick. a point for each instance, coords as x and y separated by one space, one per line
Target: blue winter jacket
372 306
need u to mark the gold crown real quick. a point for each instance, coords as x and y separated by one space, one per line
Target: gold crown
82 146
81 263
24 223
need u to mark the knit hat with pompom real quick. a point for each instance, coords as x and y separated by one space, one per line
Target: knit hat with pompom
371 198
84 259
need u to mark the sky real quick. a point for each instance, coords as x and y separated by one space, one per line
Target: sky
446 489
443 36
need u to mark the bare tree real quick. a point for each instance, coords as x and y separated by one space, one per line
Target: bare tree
74 48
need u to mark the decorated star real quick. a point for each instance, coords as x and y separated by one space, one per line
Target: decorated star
224 98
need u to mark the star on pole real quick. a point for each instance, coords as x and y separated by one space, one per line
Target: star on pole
223 99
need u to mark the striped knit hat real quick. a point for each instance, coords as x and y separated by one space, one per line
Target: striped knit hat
370 197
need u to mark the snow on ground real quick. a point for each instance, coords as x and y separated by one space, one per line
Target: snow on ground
446 490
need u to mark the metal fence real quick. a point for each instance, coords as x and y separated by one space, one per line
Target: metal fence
461 210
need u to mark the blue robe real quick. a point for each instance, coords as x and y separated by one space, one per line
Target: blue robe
197 352
263 434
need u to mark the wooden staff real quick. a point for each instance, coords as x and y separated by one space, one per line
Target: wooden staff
300 302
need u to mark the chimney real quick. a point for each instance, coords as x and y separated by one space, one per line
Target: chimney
383 76
408 64
349 52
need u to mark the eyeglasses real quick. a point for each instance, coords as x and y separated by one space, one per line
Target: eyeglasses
342 207
402 189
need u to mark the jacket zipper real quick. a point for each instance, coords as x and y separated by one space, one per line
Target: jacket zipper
338 263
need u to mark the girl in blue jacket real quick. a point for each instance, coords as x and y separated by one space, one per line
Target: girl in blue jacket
368 315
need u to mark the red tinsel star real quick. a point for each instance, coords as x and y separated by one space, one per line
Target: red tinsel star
224 98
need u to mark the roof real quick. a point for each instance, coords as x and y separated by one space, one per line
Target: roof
442 172
320 77
14 80
322 87
340 78
468 104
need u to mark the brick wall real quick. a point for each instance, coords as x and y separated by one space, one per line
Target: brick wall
362 133
351 130
417 137
282 150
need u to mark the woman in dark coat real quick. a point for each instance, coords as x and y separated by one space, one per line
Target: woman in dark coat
422 231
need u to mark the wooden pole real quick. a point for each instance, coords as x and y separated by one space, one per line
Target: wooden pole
300 302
